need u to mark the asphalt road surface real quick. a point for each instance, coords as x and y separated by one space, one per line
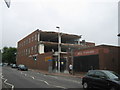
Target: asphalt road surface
0 78
14 78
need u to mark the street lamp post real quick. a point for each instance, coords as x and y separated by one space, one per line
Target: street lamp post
8 3
118 39
119 35
72 59
59 48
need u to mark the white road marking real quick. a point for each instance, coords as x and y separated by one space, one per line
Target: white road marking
54 77
32 77
59 86
66 79
44 75
7 83
44 81
47 83
52 85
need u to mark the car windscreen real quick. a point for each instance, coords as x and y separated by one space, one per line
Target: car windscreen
112 75
22 66
14 64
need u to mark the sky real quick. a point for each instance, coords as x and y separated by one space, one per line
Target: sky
95 20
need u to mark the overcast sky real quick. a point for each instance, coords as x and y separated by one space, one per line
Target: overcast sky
95 20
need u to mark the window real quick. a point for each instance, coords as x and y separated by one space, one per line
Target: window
32 48
35 37
28 50
112 75
29 40
24 42
24 51
19 44
35 49
100 74
91 73
32 38
35 46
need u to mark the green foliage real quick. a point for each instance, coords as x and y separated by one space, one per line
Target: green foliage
9 55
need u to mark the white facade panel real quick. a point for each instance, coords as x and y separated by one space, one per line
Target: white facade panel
41 48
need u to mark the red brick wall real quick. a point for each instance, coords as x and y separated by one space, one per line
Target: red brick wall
21 55
109 57
40 63
27 59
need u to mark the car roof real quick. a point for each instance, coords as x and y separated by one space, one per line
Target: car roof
100 70
21 64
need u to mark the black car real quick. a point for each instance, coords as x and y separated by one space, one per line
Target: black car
14 66
101 79
22 67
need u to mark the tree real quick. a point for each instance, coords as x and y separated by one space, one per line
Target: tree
9 55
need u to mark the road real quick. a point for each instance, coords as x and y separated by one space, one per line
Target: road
31 79
0 79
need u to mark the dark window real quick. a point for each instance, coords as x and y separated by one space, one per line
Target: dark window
100 74
112 75
91 73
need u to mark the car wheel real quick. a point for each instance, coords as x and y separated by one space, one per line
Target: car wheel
113 88
85 85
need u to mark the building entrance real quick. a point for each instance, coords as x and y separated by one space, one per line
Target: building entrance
62 64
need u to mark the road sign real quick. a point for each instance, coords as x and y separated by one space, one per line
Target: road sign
48 58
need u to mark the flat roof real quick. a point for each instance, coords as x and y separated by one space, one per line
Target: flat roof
51 35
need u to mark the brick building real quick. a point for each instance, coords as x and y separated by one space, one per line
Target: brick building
98 57
39 50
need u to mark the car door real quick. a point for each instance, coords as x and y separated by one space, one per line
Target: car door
90 78
100 80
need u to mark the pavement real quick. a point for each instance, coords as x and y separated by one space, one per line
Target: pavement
77 75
